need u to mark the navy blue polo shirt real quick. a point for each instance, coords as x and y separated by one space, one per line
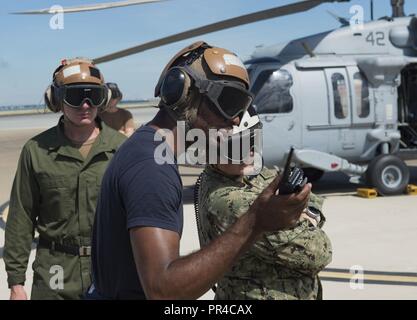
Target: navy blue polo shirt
136 191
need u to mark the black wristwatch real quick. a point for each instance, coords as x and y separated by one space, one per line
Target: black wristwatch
313 213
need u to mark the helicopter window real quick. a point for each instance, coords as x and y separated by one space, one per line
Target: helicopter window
340 95
361 95
272 91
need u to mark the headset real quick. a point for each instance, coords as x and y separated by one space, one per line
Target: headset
115 91
175 84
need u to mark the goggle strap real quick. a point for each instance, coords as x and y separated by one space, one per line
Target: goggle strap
203 86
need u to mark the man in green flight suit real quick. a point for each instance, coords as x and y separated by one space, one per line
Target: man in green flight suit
281 265
56 186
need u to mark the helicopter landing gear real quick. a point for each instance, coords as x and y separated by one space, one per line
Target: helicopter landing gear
388 174
313 174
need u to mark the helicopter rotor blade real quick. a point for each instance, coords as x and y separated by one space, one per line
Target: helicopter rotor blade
221 25
88 7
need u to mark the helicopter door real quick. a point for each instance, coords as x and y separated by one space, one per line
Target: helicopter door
339 98
275 103
363 115
313 101
342 140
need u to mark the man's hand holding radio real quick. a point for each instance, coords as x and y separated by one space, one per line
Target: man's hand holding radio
277 212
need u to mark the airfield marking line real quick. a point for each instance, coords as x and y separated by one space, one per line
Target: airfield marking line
334 274
371 277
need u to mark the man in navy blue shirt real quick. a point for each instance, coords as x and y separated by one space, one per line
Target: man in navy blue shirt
139 218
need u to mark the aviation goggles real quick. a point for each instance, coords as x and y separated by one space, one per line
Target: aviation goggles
75 95
242 143
245 140
230 98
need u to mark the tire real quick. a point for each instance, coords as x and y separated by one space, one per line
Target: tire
388 174
313 174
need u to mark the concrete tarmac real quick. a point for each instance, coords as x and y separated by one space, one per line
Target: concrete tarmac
375 235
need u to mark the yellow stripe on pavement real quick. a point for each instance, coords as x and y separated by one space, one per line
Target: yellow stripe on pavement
370 277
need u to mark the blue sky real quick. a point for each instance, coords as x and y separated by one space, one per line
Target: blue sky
30 50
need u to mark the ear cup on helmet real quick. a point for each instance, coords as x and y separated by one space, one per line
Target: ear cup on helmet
175 87
50 99
105 106
115 91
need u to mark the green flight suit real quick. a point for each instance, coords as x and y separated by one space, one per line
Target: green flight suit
55 192
280 265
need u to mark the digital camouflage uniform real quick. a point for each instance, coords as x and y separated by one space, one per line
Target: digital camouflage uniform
55 192
280 265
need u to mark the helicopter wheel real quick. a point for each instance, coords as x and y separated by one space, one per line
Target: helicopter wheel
313 174
388 174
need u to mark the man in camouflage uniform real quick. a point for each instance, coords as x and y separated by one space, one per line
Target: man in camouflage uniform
56 186
280 265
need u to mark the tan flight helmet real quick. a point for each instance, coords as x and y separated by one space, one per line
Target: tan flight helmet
73 71
177 87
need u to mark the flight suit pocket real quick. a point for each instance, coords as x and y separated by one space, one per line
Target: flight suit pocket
57 198
93 193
